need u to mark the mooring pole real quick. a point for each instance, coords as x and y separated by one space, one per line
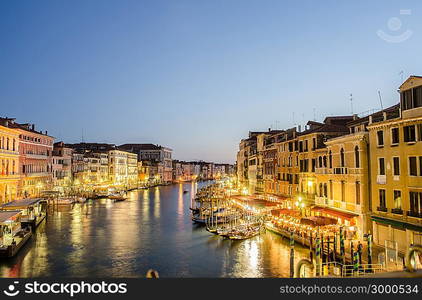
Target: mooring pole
318 256
335 246
352 254
369 245
342 252
292 255
360 248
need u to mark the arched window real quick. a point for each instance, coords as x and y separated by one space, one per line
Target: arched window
320 190
357 158
325 161
14 145
320 161
342 157
330 159
7 145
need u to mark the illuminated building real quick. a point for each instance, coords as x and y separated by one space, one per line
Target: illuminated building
396 169
9 161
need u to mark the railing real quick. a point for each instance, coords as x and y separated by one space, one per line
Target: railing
381 208
414 214
340 170
323 171
397 211
361 270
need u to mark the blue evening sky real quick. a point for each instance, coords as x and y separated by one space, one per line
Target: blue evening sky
197 75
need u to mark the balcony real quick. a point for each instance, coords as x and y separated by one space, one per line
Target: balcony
381 208
9 152
323 171
356 171
397 211
36 156
414 214
340 170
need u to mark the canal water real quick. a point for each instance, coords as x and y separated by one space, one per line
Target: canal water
152 229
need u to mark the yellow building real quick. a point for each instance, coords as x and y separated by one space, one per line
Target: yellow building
396 170
9 162
342 181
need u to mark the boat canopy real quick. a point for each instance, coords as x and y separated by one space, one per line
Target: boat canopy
21 204
7 216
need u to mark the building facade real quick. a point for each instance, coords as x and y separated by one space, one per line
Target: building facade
9 162
396 170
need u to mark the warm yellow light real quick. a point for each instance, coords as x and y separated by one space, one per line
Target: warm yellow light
297 203
302 205
309 183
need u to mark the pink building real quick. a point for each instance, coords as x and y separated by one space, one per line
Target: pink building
35 159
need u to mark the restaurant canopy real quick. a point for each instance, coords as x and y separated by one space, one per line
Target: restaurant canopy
334 213
285 212
318 221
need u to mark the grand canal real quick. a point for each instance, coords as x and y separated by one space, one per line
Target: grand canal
152 229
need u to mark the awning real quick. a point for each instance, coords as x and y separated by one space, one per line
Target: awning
334 213
318 221
397 223
284 211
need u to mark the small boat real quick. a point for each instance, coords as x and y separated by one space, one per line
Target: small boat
117 198
64 201
81 199
185 191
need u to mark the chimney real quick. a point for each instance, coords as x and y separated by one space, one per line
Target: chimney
33 127
46 132
299 128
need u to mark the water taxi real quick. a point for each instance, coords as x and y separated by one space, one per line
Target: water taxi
12 235
34 211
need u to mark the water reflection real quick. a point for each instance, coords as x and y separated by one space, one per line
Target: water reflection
152 229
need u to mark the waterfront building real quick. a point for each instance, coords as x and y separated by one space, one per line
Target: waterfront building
154 154
177 171
118 168
250 154
311 146
288 162
342 179
132 170
35 159
396 170
9 161
62 167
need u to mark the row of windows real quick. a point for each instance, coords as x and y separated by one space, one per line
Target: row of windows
411 134
35 139
323 191
7 144
7 167
411 98
415 166
415 202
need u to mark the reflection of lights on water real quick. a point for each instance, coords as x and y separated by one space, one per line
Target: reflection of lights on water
157 202
253 254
